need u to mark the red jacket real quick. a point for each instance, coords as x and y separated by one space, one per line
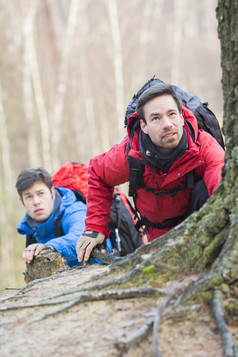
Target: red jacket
111 169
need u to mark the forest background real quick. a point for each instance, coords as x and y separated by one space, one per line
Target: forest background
67 72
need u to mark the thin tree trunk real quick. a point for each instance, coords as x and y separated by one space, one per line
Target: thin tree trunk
118 63
88 101
28 99
151 15
6 190
39 96
177 40
7 172
62 84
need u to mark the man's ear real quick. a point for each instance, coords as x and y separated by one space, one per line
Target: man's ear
53 192
181 115
143 126
21 200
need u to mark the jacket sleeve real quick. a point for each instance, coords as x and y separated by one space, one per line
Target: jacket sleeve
213 160
104 172
73 224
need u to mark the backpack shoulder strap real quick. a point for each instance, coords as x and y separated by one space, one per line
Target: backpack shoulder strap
136 173
30 239
79 196
58 227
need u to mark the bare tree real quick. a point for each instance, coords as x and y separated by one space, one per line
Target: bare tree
118 61
179 7
62 82
6 189
28 95
37 85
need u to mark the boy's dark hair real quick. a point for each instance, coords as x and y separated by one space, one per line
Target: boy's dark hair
153 92
28 177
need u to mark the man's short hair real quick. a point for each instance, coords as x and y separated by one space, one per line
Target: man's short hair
28 177
153 92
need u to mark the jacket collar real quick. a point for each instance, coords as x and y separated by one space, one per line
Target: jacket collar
158 160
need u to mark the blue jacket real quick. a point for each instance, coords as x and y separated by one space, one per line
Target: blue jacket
73 216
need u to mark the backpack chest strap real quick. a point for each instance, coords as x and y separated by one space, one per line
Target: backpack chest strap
168 223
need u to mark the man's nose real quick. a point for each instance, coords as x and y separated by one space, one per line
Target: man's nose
166 122
36 200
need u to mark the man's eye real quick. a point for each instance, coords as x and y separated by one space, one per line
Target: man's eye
28 198
41 193
155 118
173 114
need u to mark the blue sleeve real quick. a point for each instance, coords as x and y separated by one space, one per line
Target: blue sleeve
73 224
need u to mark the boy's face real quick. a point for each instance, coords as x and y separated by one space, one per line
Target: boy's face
38 201
164 123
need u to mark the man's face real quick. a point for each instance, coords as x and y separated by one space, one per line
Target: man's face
38 201
164 123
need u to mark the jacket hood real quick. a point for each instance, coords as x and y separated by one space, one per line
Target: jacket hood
67 199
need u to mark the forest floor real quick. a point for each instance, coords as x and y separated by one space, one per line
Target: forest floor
94 328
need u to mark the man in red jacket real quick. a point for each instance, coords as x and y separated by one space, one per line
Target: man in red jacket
164 137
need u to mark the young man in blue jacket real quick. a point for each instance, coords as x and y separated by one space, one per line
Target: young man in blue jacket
54 218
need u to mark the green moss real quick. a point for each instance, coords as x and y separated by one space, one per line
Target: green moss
146 274
149 271
138 280
153 274
232 308
206 296
225 288
160 279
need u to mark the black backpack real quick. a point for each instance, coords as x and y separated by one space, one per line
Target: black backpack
124 235
206 120
205 117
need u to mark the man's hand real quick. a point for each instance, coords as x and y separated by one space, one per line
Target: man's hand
86 243
32 251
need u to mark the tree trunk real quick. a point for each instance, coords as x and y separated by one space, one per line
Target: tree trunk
62 83
118 62
28 98
37 85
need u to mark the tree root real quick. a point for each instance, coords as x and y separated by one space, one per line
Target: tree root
176 290
228 340
110 283
124 344
99 296
95 296
137 336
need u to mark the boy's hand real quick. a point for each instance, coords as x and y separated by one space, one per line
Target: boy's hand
33 250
